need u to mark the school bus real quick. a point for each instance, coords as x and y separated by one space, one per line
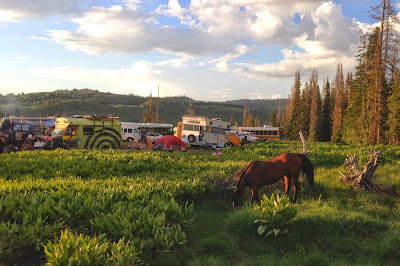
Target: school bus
264 133
87 132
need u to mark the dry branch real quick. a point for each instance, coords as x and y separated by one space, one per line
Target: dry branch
303 140
363 179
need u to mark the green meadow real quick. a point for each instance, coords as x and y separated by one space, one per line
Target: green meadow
77 207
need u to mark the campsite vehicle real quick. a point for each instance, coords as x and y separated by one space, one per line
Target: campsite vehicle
31 125
264 133
249 137
154 137
201 131
233 138
87 132
130 131
214 135
192 129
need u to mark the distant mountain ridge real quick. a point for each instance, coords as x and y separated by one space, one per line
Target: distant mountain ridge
129 107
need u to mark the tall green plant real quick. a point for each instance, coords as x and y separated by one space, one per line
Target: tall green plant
274 214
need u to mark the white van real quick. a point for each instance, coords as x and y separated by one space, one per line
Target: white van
130 131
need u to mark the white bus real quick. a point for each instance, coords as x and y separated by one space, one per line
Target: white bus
130 131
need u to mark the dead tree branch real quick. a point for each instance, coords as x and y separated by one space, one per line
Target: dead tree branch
363 179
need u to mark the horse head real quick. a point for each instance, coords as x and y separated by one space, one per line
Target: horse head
237 200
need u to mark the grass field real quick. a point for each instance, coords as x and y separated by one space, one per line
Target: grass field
161 209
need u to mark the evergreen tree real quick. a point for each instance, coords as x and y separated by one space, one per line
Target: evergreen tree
295 119
245 113
279 116
394 113
148 115
315 110
306 109
356 117
250 120
273 121
326 116
338 110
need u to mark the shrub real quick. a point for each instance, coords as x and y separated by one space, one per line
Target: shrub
274 214
73 249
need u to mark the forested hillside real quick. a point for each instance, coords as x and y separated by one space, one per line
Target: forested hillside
130 107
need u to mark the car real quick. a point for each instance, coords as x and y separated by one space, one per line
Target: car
249 137
154 136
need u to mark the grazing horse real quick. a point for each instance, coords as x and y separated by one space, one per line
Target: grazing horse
260 173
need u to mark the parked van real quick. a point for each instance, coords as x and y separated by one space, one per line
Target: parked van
130 131
233 138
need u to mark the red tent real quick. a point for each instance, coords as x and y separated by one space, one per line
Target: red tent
169 143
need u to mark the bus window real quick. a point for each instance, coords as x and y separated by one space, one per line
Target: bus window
275 133
88 130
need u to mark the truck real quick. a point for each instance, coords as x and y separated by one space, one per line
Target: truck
87 132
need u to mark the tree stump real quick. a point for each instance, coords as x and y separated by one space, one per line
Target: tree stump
363 179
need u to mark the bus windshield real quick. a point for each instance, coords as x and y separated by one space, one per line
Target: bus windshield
57 132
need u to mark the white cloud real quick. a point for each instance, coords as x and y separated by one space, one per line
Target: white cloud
177 62
142 78
16 10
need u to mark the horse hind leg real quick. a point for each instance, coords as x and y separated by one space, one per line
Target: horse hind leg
296 188
287 185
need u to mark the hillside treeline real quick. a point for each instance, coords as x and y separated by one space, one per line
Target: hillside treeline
130 108
362 108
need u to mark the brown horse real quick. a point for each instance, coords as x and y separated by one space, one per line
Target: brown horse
260 173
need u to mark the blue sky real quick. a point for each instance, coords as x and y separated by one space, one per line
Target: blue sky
208 50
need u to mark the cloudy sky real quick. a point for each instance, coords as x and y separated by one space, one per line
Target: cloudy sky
205 49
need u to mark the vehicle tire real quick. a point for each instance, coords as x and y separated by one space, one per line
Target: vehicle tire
130 139
231 144
191 138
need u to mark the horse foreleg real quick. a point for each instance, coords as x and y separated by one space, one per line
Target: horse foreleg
296 188
287 185
254 194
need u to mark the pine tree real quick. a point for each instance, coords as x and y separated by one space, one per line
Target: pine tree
250 120
338 109
294 123
148 115
273 121
279 116
315 110
326 116
355 125
394 114
245 113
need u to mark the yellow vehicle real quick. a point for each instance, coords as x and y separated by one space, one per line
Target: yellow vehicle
233 138
264 133
87 132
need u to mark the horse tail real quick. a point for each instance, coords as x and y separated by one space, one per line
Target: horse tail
307 169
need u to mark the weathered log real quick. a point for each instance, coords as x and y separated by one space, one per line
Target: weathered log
363 179
303 140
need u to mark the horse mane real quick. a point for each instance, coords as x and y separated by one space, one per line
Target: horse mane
307 169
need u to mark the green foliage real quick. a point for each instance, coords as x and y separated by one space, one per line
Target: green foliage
274 214
150 199
128 107
73 249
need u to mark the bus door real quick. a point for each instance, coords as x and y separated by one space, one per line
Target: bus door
70 137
